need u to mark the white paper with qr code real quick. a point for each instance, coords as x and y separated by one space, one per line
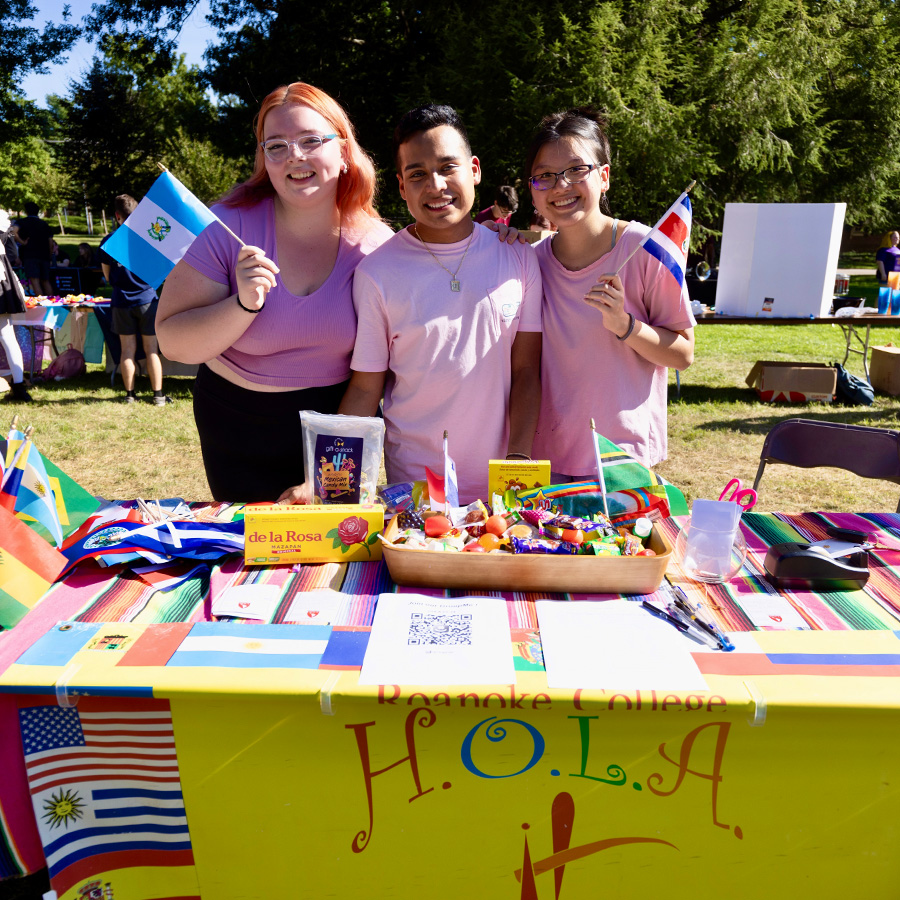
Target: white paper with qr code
438 640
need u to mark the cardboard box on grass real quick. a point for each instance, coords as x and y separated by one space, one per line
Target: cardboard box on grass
793 382
336 532
884 369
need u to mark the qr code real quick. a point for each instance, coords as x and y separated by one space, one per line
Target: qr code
434 628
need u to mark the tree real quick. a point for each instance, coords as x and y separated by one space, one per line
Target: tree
121 120
25 48
203 170
759 100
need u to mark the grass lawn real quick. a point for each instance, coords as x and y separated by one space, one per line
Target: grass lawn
716 428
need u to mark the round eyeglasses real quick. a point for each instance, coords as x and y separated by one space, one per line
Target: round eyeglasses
574 175
277 149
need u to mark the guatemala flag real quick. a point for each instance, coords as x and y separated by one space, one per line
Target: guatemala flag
158 233
670 238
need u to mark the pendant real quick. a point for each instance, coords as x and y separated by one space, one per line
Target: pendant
454 285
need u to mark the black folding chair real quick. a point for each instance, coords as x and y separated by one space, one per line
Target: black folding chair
808 444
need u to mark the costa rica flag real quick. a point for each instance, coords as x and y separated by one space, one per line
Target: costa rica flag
669 239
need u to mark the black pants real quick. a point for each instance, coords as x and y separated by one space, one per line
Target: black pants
251 440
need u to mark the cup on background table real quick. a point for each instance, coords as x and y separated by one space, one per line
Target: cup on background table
895 302
884 301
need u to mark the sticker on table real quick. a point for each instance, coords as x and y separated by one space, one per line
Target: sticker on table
316 607
770 611
248 601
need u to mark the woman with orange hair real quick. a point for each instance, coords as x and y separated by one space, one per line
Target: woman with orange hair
272 322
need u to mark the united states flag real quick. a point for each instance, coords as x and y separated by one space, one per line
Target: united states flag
105 787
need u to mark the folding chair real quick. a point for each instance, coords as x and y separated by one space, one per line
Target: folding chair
808 444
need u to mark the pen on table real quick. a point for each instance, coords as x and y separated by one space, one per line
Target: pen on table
672 618
696 612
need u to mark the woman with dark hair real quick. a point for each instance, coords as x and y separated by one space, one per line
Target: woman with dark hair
272 322
608 339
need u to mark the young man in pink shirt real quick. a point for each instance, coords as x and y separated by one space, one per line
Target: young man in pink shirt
449 331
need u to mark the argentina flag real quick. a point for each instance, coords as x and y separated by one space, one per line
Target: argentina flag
160 231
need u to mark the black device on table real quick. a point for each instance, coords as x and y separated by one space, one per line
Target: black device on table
823 565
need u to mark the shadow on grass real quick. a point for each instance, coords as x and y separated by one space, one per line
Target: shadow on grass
696 394
94 387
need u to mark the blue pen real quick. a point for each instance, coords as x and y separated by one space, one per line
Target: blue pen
670 615
698 614
662 614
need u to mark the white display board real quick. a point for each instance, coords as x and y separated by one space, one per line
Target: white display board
779 260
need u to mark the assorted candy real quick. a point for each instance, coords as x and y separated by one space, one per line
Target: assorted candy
510 529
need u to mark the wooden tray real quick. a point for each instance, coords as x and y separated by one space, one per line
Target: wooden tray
528 571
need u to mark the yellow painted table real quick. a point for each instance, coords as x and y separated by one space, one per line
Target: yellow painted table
292 780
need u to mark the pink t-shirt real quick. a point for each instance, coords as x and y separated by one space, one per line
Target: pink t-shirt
447 354
295 342
587 373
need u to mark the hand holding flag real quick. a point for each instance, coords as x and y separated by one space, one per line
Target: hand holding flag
159 232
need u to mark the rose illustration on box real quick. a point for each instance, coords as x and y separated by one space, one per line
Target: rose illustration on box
352 531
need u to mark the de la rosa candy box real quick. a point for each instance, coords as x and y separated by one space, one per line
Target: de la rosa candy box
312 534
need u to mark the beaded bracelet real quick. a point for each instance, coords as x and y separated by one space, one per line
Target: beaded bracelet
247 308
630 329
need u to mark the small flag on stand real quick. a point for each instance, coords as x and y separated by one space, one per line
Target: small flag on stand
621 472
159 232
28 566
669 239
26 489
443 493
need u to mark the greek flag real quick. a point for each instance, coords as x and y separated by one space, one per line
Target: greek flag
158 233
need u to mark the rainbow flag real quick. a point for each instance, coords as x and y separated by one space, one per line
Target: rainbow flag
28 566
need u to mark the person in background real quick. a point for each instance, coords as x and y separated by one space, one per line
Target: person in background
133 309
540 223
12 301
272 323
608 338
86 258
887 259
35 239
506 202
58 257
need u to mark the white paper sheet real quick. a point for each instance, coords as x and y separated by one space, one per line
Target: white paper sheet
614 644
435 640
248 601
322 607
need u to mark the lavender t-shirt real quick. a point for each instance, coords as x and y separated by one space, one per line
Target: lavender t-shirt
295 342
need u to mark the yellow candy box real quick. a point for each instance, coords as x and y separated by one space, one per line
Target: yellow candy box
312 534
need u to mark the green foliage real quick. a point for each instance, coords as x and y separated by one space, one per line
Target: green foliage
760 100
123 118
199 165
29 172
25 48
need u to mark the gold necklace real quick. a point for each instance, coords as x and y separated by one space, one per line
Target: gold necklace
454 281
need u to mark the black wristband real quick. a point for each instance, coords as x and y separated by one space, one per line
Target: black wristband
627 333
247 308
524 456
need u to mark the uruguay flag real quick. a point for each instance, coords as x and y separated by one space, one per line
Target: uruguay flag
670 238
158 233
